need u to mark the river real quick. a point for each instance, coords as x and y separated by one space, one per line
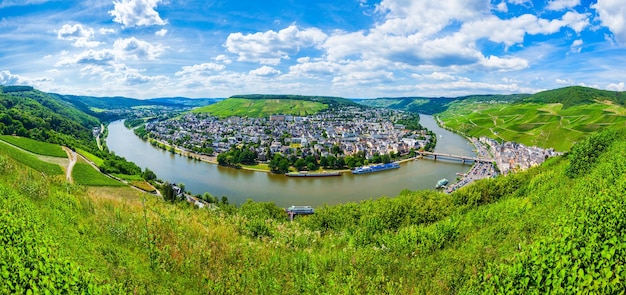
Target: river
239 185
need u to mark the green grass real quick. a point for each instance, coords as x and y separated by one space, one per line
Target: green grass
543 125
34 146
259 108
30 160
85 174
91 157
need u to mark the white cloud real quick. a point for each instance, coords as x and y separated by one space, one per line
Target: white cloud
562 4
6 78
436 76
576 46
79 34
502 6
10 3
505 64
161 32
200 69
265 71
616 86
90 57
563 81
612 14
223 59
134 48
136 13
271 47
106 31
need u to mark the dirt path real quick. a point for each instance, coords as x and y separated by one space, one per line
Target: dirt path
70 166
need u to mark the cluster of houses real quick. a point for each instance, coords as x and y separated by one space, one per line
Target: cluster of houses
349 129
512 156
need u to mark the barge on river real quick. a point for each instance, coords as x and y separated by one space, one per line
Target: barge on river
307 174
375 168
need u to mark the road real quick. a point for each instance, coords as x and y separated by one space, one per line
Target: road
70 166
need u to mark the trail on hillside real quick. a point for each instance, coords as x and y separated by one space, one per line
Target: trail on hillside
70 166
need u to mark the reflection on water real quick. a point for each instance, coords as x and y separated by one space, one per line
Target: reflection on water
239 185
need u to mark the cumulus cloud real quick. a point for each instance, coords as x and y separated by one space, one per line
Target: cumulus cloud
271 47
223 59
265 71
616 86
200 69
161 32
79 34
123 49
562 4
7 78
133 48
612 14
136 13
502 7
504 64
89 57
576 46
436 76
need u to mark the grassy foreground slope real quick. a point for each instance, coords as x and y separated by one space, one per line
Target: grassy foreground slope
555 228
541 119
258 108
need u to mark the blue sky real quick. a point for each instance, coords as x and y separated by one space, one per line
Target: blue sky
349 48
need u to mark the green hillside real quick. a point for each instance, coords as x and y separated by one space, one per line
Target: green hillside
259 108
578 95
434 105
555 228
539 124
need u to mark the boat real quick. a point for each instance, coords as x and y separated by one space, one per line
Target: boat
307 174
301 210
441 183
375 168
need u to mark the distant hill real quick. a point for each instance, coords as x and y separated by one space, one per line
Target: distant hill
331 101
262 107
184 101
433 105
577 95
31 113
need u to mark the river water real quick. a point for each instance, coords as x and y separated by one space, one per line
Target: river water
239 185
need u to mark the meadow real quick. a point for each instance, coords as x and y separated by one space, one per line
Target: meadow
259 108
85 174
31 160
91 157
34 146
534 124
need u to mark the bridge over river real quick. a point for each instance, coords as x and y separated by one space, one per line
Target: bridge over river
457 157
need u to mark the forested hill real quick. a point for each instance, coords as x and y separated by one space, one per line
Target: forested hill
331 101
577 95
27 112
434 105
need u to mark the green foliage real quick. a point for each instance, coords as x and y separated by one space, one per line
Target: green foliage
34 146
331 101
585 154
258 108
30 262
84 174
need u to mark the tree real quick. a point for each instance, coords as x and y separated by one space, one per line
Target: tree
148 175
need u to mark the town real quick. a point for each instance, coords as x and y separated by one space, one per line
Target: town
346 131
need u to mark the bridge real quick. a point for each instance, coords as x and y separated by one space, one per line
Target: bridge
456 157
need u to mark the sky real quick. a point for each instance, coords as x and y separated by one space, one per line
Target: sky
347 48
